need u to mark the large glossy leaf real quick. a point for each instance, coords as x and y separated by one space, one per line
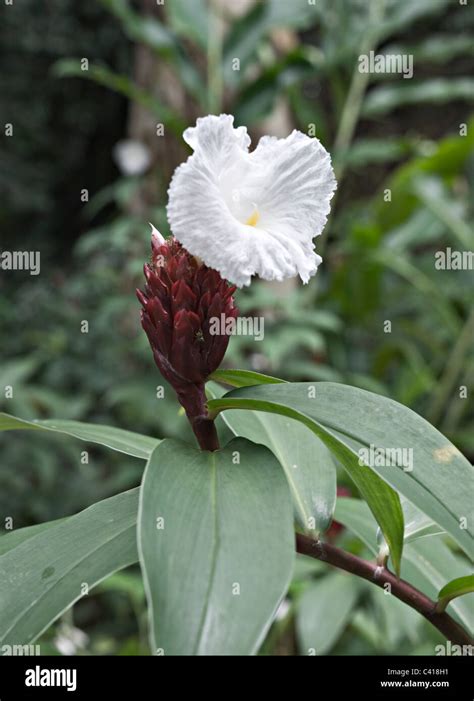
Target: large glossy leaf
428 563
216 546
321 414
44 575
441 482
323 612
115 438
308 464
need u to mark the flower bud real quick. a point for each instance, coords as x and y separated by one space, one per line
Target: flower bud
181 297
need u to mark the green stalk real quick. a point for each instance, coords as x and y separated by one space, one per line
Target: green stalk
352 107
215 85
453 368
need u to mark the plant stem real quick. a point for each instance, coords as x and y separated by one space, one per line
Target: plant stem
215 86
454 412
380 576
352 107
205 431
453 368
192 398
355 96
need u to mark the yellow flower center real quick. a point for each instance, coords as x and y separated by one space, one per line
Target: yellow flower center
253 219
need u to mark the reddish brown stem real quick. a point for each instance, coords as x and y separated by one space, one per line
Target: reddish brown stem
205 432
381 576
193 398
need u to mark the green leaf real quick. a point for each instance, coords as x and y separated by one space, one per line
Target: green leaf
439 201
300 14
400 15
367 151
189 19
17 371
422 283
436 91
440 484
242 42
324 611
439 48
13 538
43 576
308 464
430 565
296 401
243 378
394 621
417 525
219 565
125 582
148 30
257 97
457 587
143 29
355 514
115 438
248 32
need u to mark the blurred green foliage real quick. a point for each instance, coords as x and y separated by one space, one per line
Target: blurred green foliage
406 177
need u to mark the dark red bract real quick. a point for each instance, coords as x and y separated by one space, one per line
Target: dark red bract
181 296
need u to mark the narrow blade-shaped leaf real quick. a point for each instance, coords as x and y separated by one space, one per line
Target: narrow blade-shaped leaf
109 436
456 587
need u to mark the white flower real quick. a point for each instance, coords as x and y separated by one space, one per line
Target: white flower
132 157
251 213
69 639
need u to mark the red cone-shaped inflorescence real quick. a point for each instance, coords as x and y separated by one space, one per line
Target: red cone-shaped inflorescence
181 298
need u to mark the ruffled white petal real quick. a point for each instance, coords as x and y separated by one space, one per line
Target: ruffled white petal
283 189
